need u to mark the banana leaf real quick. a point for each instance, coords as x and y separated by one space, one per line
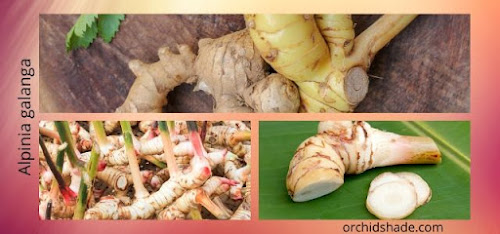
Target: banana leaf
449 181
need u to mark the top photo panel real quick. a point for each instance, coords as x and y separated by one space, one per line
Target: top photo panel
131 63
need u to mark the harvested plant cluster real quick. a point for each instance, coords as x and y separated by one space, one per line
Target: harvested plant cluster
145 170
229 68
320 65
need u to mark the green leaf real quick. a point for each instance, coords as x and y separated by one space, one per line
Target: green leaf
83 33
83 23
450 180
108 25
86 28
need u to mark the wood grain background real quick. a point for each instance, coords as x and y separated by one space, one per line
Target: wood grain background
424 69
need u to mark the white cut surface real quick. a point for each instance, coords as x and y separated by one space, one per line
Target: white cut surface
392 200
317 189
121 183
424 192
383 178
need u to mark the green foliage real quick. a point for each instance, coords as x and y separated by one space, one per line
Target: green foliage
88 26
83 23
450 180
108 26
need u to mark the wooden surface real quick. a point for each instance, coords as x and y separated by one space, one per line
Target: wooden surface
424 69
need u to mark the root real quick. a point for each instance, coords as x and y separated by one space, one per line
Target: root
229 68
237 174
395 196
322 56
274 94
188 192
226 136
242 213
320 162
115 178
232 71
154 81
392 200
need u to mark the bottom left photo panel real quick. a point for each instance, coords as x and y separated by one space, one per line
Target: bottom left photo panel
127 170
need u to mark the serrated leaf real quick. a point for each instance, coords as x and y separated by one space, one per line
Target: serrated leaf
450 180
73 41
69 39
83 23
108 25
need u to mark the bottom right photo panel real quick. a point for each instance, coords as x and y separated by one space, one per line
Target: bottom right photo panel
364 170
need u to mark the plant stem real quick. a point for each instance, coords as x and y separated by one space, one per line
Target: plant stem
81 204
54 190
60 156
100 133
50 163
68 195
168 149
203 131
66 137
375 37
94 161
195 139
171 127
192 126
84 190
154 161
140 190
126 128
